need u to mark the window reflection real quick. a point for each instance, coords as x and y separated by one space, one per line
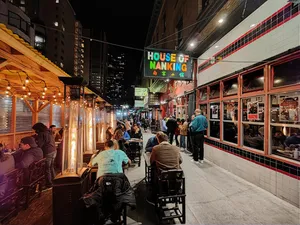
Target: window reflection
215 111
203 108
203 94
285 141
230 87
230 132
253 136
214 129
287 73
214 91
253 81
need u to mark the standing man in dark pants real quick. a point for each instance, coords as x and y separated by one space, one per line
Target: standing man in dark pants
171 125
198 127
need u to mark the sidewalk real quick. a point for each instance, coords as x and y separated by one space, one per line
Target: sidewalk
216 196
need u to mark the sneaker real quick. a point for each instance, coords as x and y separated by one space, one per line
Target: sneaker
202 161
194 161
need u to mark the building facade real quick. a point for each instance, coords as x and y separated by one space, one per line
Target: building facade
246 82
15 16
79 48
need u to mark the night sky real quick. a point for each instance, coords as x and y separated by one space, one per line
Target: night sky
125 22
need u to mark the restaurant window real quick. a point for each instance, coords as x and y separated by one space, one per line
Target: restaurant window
230 117
253 122
214 91
287 73
285 125
56 115
44 115
23 116
230 87
214 121
203 108
253 81
203 94
5 114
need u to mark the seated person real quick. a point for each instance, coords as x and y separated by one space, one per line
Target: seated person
164 155
29 153
126 136
7 164
294 139
135 132
153 141
110 160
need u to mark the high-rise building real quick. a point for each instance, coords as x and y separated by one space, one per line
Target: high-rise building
98 62
114 85
78 50
14 15
87 54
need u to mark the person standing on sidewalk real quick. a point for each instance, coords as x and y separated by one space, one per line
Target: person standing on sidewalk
171 125
198 127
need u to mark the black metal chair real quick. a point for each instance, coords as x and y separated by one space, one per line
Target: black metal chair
10 194
34 177
170 195
134 152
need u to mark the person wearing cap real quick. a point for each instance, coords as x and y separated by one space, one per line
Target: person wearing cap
29 152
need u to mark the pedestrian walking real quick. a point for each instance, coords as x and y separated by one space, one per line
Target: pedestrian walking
198 127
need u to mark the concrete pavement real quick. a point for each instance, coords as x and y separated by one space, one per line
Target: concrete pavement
216 196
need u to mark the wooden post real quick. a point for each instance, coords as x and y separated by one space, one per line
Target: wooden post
35 115
14 119
51 114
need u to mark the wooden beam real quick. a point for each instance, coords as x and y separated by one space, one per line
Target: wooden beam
5 47
43 106
3 62
29 106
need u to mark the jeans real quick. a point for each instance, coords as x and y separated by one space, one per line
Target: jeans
198 143
176 139
182 141
50 172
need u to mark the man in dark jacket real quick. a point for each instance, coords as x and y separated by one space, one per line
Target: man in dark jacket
46 142
28 154
171 125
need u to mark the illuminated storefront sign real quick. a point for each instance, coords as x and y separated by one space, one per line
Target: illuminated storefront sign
140 92
167 64
138 103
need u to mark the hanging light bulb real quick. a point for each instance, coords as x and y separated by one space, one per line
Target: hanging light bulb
27 80
43 102
25 96
29 93
7 95
22 98
24 87
43 93
45 88
54 96
59 94
8 87
7 92
43 96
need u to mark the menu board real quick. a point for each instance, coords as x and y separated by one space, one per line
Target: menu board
288 109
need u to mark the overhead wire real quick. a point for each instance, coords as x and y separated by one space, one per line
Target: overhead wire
139 49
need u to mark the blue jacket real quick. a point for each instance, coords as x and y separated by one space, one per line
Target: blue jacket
151 143
199 124
126 136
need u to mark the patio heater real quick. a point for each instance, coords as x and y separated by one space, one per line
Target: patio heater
89 128
101 125
73 181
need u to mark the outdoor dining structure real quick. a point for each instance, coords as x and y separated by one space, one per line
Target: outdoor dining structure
33 89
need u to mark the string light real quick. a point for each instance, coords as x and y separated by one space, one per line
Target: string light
27 80
59 94
43 96
43 93
24 87
45 88
29 93
8 86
